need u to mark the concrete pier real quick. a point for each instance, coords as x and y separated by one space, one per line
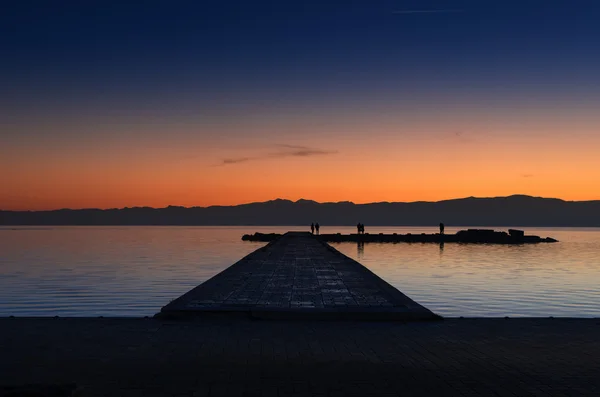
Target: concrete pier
297 276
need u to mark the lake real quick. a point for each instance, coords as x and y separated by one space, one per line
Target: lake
134 271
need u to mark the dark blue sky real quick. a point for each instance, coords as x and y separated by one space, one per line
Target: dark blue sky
146 48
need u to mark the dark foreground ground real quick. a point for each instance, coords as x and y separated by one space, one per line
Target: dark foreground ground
240 357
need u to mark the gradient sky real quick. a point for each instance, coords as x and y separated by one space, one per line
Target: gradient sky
113 104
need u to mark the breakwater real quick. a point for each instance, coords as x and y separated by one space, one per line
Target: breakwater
473 236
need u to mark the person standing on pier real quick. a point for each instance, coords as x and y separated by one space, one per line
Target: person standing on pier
317 227
358 228
312 228
361 228
441 228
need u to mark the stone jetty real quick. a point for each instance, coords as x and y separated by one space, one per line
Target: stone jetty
474 236
298 276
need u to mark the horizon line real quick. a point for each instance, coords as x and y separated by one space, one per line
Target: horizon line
297 201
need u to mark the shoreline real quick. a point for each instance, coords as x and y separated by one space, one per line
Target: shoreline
234 316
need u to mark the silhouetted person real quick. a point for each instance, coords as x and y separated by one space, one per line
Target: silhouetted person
312 228
441 228
317 227
362 228
358 228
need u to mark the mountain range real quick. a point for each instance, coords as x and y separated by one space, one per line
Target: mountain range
516 210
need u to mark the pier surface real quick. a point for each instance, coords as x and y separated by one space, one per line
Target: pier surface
298 276
243 358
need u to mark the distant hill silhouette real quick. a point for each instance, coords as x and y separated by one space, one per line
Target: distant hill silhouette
517 210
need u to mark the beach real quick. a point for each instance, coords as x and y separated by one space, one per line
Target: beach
225 356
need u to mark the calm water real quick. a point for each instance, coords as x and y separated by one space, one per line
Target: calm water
134 271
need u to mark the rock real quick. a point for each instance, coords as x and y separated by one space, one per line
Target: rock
516 233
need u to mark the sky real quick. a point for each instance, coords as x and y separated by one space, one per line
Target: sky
131 103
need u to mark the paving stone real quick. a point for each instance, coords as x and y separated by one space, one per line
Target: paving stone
298 272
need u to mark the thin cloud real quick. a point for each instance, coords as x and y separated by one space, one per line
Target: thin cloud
300 151
439 11
282 145
236 160
527 175
461 137
283 152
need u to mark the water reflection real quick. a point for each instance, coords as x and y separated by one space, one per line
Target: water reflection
495 280
133 271
360 250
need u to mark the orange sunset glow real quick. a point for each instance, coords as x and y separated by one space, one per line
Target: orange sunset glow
365 163
365 108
